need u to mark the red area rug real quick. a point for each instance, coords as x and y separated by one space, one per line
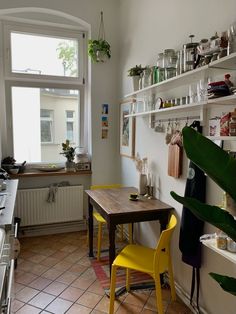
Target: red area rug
138 280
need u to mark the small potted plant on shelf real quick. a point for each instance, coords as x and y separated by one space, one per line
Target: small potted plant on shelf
69 152
136 73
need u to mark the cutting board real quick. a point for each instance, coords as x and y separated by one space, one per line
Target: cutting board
175 156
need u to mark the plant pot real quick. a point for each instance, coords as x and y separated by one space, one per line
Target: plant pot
70 166
101 56
135 82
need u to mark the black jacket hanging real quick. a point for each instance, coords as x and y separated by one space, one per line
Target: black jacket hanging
191 227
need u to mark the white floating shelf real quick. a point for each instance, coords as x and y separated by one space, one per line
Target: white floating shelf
222 138
221 101
212 245
181 108
226 63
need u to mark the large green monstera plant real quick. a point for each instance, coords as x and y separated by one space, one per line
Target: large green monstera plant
221 168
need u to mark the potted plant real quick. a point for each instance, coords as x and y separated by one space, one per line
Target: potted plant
99 50
221 168
135 73
69 152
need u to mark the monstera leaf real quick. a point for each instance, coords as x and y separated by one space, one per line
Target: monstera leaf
221 168
227 283
212 159
212 214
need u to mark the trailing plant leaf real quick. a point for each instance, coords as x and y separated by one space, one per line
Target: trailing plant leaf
212 159
216 216
227 283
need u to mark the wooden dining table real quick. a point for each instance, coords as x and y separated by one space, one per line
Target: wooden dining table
116 208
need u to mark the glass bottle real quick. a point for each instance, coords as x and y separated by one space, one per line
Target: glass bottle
160 67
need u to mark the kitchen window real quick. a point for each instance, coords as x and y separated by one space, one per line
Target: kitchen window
45 84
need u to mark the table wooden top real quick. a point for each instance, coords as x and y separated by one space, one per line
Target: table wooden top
117 202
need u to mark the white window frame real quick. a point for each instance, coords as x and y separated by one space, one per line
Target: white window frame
12 79
49 119
44 31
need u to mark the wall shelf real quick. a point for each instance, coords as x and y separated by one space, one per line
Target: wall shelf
226 63
222 138
212 245
227 100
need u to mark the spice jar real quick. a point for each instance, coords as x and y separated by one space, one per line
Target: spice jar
221 240
232 124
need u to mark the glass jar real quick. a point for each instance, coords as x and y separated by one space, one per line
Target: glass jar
147 77
179 63
215 56
232 125
160 67
231 245
170 59
231 39
221 240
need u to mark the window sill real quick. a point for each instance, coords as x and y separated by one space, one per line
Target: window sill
30 174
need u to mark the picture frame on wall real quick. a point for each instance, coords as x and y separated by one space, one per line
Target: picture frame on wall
127 130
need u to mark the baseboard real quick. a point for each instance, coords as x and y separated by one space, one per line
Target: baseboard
37 230
185 297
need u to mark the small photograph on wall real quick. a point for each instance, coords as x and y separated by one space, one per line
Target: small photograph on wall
104 133
105 108
105 121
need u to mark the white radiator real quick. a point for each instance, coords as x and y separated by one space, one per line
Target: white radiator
33 209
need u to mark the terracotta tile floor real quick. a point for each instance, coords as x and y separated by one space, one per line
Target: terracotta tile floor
54 275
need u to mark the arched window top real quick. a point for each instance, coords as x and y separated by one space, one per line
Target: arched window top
45 16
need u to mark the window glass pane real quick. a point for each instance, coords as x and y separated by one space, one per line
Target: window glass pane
70 114
38 127
45 113
44 55
46 131
70 131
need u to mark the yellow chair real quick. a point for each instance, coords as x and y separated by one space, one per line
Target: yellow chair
101 221
151 261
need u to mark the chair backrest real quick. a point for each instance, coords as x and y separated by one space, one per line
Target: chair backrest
162 255
110 186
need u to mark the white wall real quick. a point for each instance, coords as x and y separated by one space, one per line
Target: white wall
147 28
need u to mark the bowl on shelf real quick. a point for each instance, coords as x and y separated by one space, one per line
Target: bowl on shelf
14 170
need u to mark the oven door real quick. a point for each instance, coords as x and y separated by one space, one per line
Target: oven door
7 274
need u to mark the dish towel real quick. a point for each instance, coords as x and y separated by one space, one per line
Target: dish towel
53 188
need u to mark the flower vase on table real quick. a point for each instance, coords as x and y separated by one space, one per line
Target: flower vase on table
142 187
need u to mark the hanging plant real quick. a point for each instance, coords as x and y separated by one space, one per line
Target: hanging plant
99 49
